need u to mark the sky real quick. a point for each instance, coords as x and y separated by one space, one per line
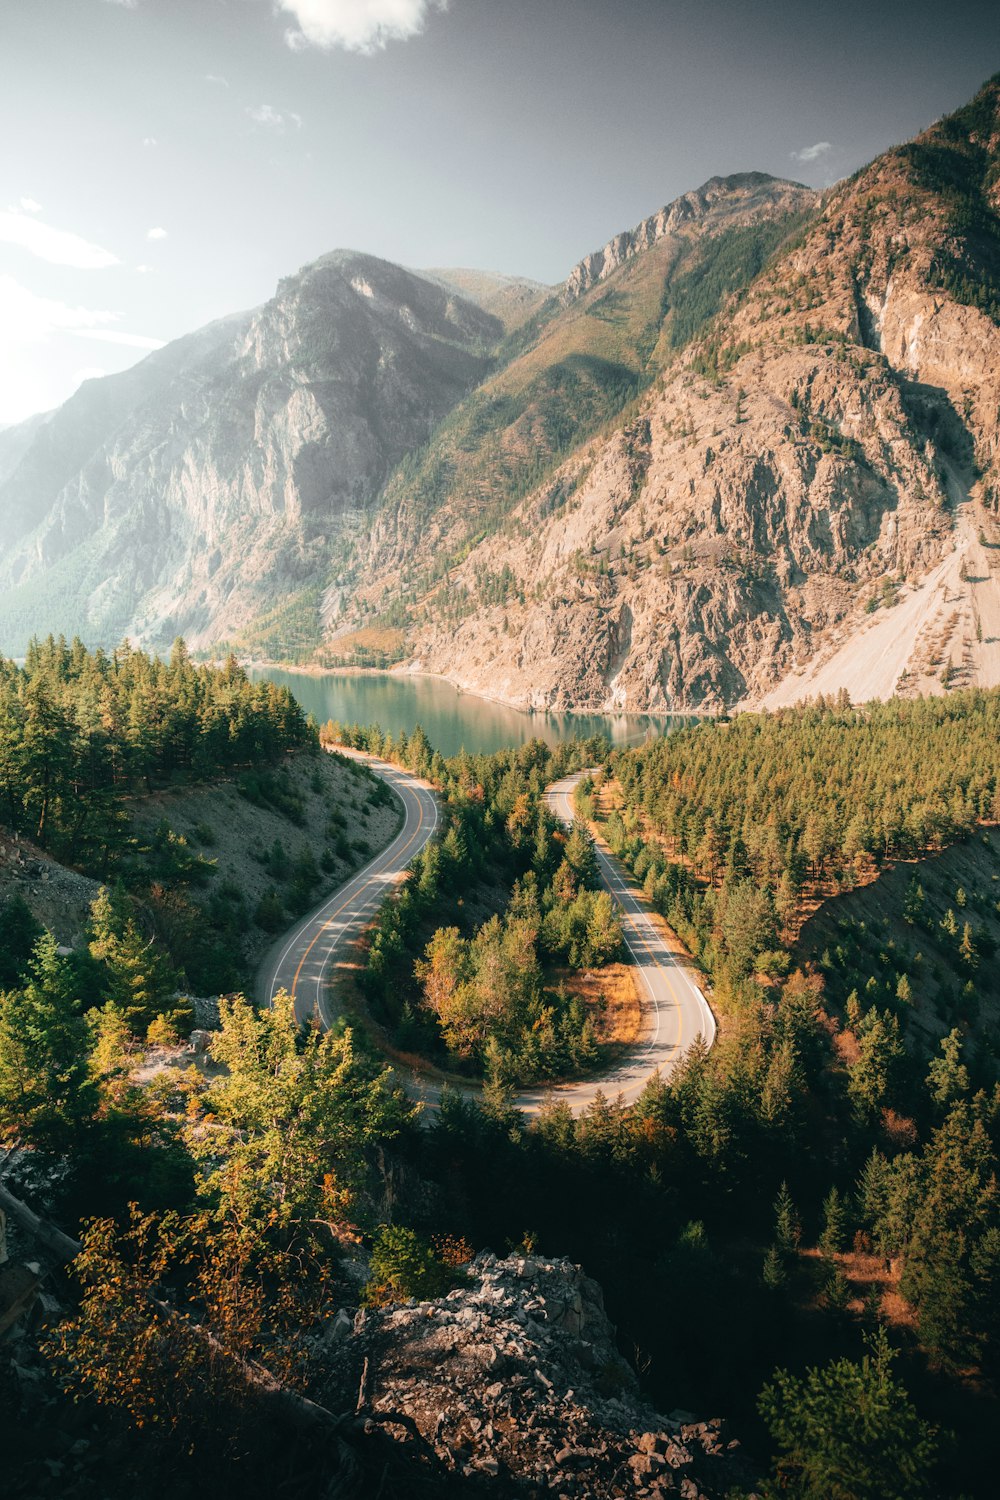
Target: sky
165 162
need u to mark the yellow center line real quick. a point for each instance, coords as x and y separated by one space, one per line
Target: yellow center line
335 914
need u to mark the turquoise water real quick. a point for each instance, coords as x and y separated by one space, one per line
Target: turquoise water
450 719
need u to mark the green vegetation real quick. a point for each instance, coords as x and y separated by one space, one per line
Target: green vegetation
956 164
805 1216
80 730
525 892
727 263
805 799
291 631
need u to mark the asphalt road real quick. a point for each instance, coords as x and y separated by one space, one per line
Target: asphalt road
677 1011
300 961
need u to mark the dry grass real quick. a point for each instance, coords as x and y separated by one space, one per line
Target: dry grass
612 1000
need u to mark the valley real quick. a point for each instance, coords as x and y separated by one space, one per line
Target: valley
500 777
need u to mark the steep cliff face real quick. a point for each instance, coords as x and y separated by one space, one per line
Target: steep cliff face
808 498
188 493
566 376
721 203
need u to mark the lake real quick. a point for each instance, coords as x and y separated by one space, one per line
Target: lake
451 720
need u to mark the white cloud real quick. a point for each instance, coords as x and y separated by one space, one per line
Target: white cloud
29 206
27 319
125 4
58 246
217 78
31 330
274 119
150 140
811 153
156 233
141 270
356 25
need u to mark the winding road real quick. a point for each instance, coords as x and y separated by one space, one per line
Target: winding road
676 1009
300 961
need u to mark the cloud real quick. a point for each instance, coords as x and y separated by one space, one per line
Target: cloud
29 206
811 153
125 4
150 140
141 270
156 233
274 119
355 25
29 319
217 78
38 337
58 246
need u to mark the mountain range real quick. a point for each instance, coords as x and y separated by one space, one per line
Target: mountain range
745 453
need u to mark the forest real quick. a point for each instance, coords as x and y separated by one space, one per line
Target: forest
477 994
798 1226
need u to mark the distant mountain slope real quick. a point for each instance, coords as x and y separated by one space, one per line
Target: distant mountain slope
512 299
811 455
212 480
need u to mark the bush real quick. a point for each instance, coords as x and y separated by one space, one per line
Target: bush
402 1266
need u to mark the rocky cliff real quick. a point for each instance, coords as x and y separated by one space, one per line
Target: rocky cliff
806 499
515 1377
191 492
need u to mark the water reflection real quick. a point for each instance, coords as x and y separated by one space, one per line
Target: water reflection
450 719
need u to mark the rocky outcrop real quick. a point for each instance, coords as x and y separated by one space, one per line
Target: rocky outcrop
721 203
515 1377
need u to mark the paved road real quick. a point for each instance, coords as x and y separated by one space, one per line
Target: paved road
678 1012
300 962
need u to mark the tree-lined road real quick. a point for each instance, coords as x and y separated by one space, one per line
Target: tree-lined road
676 1009
300 963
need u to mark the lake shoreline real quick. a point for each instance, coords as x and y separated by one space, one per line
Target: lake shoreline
452 718
406 674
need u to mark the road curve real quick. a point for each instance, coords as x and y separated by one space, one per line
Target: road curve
300 961
678 1012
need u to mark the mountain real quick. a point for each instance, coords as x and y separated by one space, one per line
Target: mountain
804 499
563 378
745 453
192 491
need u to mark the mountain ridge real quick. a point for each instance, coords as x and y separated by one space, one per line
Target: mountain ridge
690 478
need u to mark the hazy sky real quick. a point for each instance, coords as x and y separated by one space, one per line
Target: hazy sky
166 161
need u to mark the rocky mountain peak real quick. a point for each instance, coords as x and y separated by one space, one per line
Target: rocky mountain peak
720 203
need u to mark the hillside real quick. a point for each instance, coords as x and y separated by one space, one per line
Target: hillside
219 474
825 447
450 514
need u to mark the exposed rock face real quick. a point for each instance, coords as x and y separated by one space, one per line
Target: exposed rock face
191 492
722 203
515 1376
834 439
